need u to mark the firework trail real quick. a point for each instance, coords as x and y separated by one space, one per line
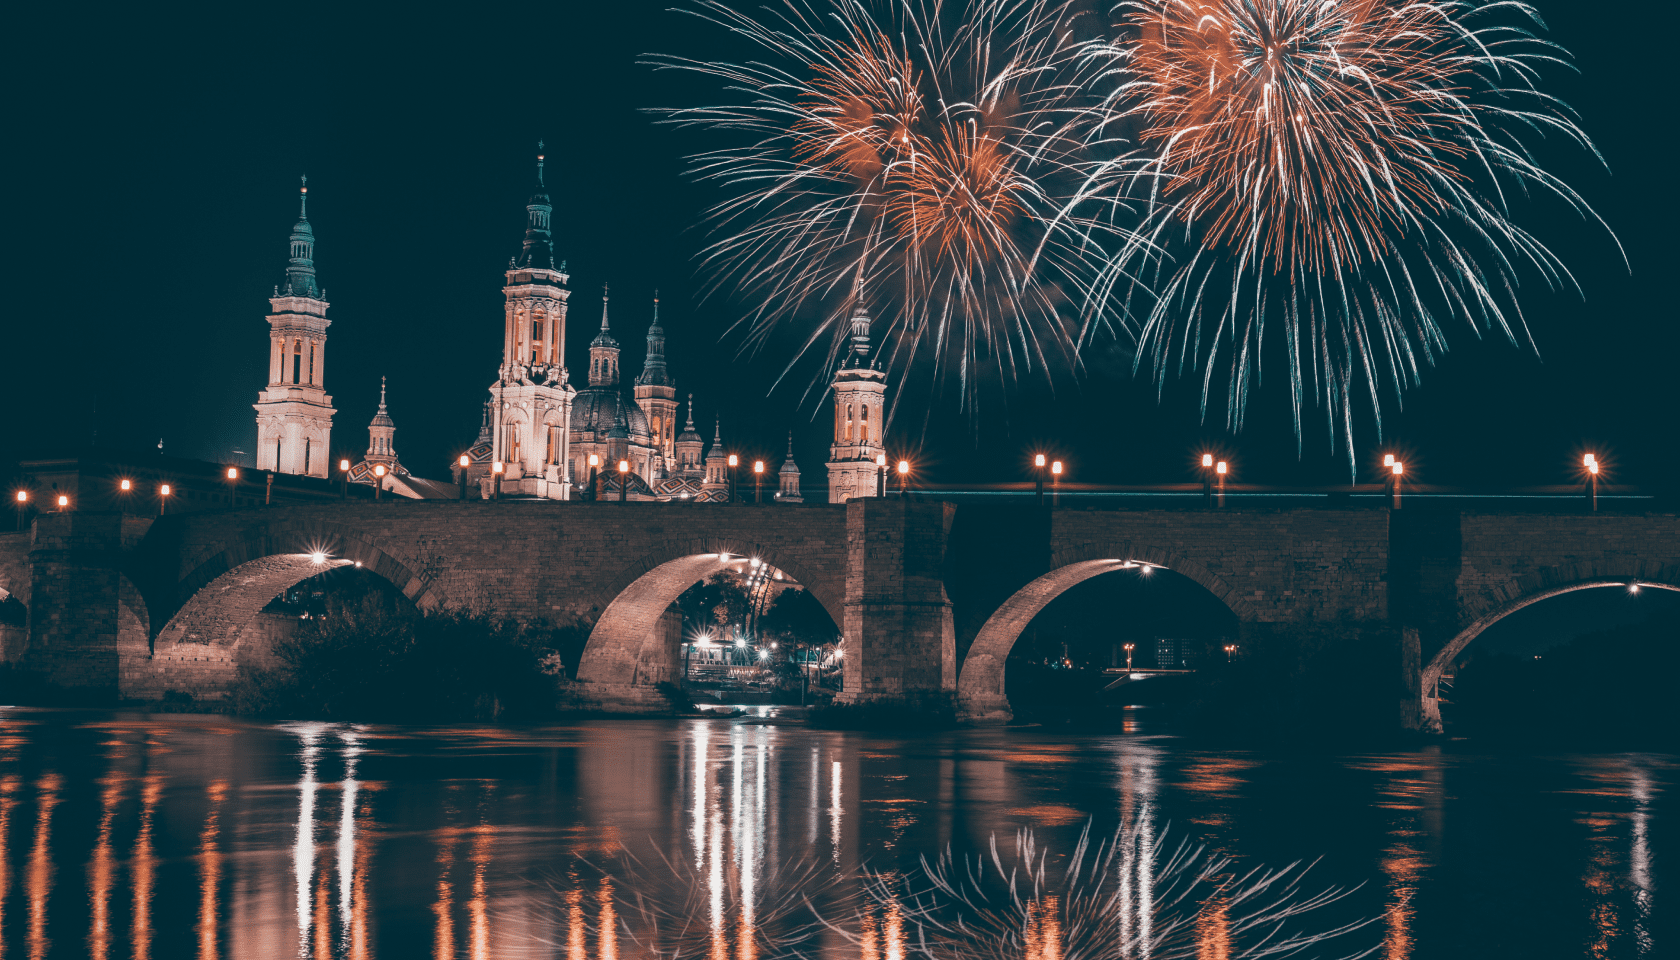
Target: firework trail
926 161
1342 169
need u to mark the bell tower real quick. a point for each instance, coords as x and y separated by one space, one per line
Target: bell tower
294 413
860 393
531 401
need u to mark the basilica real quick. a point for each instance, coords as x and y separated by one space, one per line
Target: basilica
542 437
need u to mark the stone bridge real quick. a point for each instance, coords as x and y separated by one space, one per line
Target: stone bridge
930 596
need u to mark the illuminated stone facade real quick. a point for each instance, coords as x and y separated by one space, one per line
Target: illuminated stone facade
860 394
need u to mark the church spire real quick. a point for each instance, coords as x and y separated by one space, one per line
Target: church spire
538 250
654 371
300 270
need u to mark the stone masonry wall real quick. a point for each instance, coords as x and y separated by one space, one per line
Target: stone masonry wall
14 594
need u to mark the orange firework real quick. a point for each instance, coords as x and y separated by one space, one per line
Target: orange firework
1303 131
925 159
1341 168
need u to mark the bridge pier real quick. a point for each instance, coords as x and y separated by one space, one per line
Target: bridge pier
899 643
85 615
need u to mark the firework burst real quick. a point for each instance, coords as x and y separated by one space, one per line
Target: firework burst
1342 169
924 160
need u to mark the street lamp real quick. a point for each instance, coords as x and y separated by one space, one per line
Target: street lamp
623 479
903 473
758 481
163 498
22 501
1207 479
1591 463
1038 476
464 462
63 503
881 475
378 480
1220 469
233 485
734 461
496 470
595 476
1055 481
1397 468
1230 648
1128 648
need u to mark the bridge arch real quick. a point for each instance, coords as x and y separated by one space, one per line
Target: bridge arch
980 683
1487 607
625 650
231 582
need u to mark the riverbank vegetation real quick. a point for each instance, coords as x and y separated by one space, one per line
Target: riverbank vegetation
368 654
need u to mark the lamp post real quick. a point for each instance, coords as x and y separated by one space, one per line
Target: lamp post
734 461
233 485
1590 461
125 487
163 498
464 462
63 503
1395 470
1230 648
880 475
903 474
1207 479
343 478
1055 482
758 481
496 470
1128 648
594 476
22 502
1038 476
623 480
378 480
1220 469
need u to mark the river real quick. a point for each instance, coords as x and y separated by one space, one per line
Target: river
173 836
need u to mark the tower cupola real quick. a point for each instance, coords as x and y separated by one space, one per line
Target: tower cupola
789 477
603 351
382 433
689 445
300 268
538 249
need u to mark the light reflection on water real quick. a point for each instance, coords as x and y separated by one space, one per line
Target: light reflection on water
156 837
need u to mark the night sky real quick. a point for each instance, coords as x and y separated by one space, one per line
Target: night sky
154 156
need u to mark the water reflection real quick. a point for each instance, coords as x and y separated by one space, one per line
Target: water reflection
8 798
164 838
40 877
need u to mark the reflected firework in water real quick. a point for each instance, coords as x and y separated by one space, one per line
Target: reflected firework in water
1127 896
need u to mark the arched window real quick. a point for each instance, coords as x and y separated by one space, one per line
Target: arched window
848 422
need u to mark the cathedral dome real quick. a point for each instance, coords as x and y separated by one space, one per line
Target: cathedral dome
595 410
